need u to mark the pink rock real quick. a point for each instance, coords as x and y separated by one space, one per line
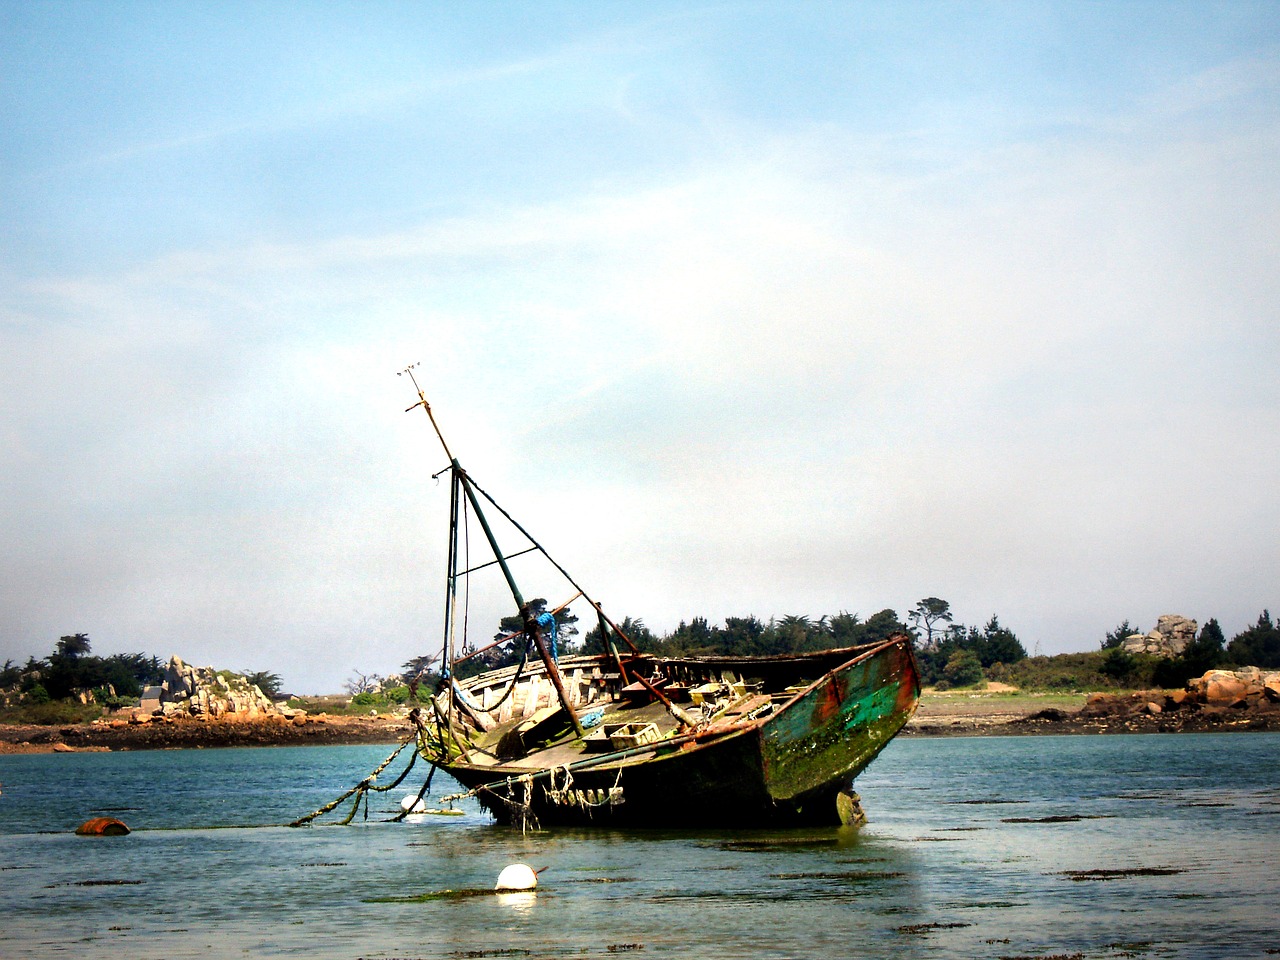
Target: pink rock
1223 690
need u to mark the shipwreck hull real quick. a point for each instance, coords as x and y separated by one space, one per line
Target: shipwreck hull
787 767
624 737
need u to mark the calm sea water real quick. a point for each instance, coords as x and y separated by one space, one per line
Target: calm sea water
1102 847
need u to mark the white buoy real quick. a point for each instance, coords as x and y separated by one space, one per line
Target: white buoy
411 804
518 876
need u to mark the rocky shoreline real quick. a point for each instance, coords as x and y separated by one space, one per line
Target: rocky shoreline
329 731
1219 701
1053 721
201 732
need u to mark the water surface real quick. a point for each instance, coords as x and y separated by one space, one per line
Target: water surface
1106 847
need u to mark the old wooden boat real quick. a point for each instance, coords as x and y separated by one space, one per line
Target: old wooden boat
623 737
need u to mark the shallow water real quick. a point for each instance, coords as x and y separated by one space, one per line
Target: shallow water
1107 847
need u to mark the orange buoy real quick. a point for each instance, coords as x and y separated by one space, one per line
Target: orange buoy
102 827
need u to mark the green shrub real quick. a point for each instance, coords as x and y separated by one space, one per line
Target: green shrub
1094 670
337 706
963 669
1118 664
51 713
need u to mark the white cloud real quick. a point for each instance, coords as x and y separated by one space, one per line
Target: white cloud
1034 380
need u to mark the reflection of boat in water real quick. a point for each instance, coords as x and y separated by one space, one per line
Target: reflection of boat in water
629 738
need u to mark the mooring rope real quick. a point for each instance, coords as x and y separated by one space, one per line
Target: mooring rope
522 808
495 789
362 789
426 788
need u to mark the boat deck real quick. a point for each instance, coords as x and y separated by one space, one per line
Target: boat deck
562 746
721 696
546 739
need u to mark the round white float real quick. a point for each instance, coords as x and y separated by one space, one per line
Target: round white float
412 804
518 876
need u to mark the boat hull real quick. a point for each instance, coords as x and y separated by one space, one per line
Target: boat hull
787 768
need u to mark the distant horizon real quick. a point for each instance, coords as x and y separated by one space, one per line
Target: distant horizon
577 642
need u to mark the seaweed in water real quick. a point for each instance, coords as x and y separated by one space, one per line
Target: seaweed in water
439 895
1079 875
1135 948
855 875
1058 818
775 844
930 927
990 802
984 904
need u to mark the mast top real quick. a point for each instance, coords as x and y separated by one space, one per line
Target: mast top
422 402
531 629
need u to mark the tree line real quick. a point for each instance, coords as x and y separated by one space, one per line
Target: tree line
739 636
947 652
71 670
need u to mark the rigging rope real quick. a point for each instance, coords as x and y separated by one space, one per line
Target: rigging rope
524 658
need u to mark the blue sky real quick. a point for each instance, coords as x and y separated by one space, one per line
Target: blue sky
764 308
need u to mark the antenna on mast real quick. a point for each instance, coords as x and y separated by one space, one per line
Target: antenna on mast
422 402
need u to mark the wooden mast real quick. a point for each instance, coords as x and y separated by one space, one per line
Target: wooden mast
530 622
